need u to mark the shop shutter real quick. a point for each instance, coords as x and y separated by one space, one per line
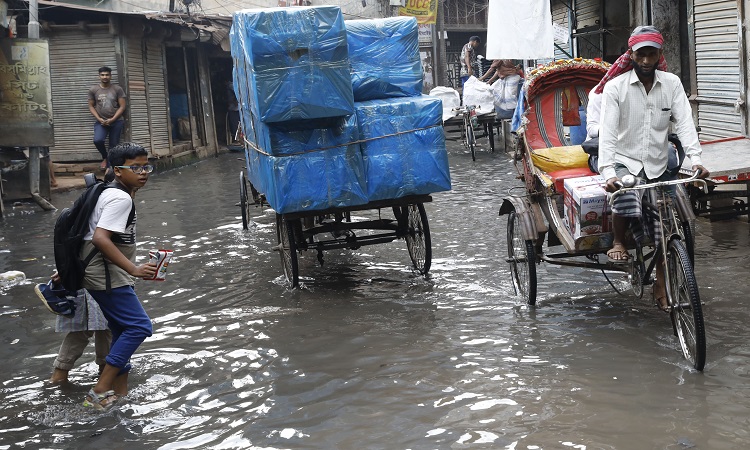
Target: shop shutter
75 57
717 68
156 91
587 13
137 102
560 14
587 23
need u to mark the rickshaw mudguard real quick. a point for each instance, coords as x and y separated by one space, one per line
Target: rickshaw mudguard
684 207
529 215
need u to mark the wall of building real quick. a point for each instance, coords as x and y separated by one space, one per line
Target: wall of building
665 16
351 9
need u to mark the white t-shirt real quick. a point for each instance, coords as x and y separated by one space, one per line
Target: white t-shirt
593 114
111 213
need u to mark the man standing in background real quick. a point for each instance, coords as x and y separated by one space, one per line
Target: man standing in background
469 58
107 104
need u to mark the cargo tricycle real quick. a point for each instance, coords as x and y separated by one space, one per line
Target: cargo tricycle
335 228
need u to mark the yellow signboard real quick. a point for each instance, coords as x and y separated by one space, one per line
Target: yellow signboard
25 94
424 10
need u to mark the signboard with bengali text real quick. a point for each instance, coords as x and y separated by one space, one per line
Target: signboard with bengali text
25 94
425 34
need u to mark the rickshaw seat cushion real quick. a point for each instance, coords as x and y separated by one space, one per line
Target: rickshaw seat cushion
559 176
553 159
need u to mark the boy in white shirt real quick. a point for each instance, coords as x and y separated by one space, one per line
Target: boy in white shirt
110 276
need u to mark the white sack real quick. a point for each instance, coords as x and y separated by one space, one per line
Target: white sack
505 92
451 99
520 29
478 93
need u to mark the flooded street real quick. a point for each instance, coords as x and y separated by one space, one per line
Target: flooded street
367 354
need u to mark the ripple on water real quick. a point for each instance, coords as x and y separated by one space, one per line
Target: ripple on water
367 351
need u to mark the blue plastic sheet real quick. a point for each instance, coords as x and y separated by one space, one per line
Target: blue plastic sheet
295 63
384 55
319 169
403 147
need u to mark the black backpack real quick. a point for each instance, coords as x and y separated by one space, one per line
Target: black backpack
70 228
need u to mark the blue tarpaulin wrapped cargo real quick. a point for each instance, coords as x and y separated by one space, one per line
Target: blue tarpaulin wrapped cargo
403 146
296 62
384 55
320 169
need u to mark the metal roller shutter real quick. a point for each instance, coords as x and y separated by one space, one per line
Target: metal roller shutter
560 14
156 91
588 23
587 14
717 68
75 58
137 103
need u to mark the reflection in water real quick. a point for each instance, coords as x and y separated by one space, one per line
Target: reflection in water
367 354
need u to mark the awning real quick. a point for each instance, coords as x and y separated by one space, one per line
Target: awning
216 25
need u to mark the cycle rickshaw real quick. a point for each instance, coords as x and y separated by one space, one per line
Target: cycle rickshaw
471 120
538 214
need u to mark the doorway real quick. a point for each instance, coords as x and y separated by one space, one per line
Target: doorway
185 110
226 109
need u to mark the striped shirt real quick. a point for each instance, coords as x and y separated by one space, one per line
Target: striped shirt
634 125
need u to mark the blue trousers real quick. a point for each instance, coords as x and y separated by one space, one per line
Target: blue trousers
101 132
128 321
464 79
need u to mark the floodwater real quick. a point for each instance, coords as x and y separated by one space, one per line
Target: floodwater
367 354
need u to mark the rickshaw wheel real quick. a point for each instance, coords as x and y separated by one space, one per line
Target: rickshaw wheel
471 141
686 232
244 201
418 240
287 250
522 260
685 304
637 272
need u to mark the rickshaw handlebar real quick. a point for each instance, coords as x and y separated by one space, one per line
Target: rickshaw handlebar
692 179
464 108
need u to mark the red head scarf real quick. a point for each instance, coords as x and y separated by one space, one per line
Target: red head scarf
625 64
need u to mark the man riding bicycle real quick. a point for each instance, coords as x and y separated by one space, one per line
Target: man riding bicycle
639 100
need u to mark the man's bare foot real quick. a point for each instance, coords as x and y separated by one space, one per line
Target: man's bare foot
660 295
59 376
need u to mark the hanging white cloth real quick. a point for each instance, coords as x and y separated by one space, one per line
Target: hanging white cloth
520 29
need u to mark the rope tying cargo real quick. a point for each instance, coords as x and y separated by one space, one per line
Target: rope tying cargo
263 152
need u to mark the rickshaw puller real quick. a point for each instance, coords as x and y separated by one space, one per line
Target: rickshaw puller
636 111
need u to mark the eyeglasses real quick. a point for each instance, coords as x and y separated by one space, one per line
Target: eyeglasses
148 168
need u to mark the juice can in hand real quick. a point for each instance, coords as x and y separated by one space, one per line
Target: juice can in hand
161 259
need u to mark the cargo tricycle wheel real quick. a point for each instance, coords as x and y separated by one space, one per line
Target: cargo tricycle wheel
244 201
418 240
522 260
287 249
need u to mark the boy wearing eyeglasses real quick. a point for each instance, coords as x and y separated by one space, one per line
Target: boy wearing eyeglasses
110 275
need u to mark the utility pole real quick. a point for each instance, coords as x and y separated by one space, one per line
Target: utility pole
33 19
34 152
